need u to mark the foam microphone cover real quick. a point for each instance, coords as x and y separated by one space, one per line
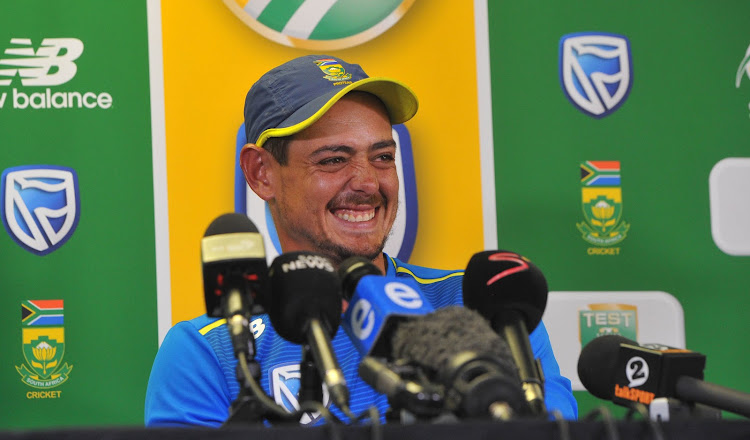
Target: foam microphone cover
597 364
351 271
304 286
430 341
496 282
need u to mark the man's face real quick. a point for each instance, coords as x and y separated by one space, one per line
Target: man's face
338 192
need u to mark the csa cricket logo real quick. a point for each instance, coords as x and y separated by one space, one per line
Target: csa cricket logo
43 345
319 25
40 206
602 203
595 71
285 384
607 319
333 70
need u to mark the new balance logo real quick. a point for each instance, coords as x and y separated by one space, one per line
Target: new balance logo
36 67
52 63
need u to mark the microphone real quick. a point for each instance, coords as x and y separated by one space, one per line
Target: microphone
615 368
459 350
511 293
305 308
377 304
234 268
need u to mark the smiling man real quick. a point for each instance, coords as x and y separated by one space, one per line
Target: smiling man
336 192
321 152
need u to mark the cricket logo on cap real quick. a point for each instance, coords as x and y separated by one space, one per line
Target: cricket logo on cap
333 70
319 25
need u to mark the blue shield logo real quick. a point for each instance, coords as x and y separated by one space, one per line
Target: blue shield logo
595 71
285 383
400 243
40 206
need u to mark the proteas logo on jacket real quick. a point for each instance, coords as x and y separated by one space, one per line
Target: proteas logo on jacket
319 25
43 345
602 203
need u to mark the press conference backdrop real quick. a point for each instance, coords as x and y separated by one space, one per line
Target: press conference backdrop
608 143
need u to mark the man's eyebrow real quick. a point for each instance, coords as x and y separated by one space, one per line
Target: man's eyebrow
383 144
333 149
350 150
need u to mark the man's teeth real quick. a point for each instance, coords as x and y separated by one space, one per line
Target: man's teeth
357 218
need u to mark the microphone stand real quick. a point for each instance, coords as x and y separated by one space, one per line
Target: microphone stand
246 408
252 405
311 385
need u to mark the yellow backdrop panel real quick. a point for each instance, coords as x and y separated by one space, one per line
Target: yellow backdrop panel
210 60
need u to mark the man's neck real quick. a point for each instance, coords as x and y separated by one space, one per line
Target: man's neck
381 263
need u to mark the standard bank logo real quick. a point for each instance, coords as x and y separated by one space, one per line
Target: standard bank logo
595 71
51 64
40 206
319 25
285 384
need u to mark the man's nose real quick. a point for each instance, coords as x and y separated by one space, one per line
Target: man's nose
364 178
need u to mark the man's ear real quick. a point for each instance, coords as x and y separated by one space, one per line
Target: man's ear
257 165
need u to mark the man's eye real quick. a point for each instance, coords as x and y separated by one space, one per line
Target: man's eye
332 161
385 157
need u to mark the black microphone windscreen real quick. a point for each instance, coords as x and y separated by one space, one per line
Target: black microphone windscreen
433 339
230 223
499 282
458 348
233 257
351 271
597 364
304 286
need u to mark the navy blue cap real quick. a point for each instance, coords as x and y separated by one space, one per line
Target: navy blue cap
292 96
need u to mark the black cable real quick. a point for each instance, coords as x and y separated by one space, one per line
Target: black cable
250 383
348 413
313 406
640 409
562 425
608 421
